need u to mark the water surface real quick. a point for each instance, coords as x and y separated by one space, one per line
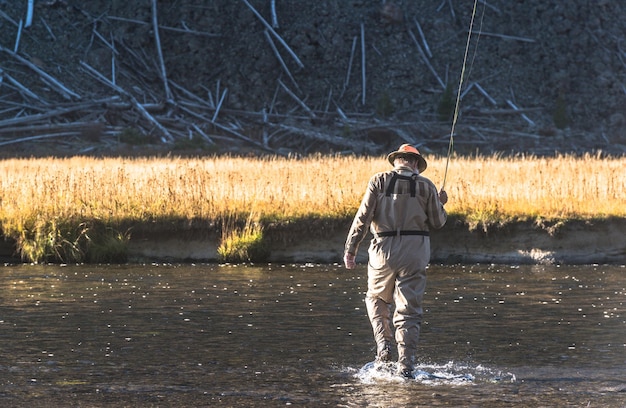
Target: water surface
279 335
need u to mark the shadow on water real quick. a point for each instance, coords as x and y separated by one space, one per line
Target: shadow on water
278 335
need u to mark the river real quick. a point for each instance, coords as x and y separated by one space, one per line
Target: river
298 335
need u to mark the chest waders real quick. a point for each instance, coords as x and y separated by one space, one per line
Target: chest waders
408 289
388 193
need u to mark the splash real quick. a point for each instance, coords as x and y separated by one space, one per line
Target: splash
435 374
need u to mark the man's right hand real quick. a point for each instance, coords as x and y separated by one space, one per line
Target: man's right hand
349 260
443 197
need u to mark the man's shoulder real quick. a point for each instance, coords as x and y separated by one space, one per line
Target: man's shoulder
425 180
382 174
377 181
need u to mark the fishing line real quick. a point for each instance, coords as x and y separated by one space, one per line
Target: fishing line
458 94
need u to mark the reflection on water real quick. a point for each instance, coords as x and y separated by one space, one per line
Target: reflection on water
273 335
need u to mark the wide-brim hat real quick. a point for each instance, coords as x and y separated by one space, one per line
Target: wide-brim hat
408 150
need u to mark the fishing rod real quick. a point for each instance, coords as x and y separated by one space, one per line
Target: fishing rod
458 94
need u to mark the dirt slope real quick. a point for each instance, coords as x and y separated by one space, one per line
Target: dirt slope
563 63
576 242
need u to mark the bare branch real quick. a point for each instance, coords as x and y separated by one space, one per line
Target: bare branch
280 59
502 112
51 128
53 113
132 99
109 44
219 105
345 84
48 28
363 62
497 10
423 37
38 137
64 91
8 18
302 104
425 59
21 87
19 36
451 10
275 34
29 13
157 40
505 37
355 145
526 118
192 95
224 128
467 89
512 133
485 94
166 28
204 135
273 10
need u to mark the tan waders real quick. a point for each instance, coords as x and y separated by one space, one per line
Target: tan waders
399 280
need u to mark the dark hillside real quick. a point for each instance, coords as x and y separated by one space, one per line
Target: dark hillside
542 76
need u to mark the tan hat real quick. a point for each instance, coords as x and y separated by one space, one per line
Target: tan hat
408 150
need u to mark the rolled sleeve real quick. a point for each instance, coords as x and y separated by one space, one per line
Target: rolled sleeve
363 218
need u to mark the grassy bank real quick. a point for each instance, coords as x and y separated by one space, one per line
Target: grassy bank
81 209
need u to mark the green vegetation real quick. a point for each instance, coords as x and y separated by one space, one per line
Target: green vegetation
445 107
242 244
67 241
194 142
133 136
559 115
384 106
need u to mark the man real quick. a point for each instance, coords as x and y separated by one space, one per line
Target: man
399 207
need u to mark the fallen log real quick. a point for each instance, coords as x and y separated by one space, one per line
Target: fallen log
20 87
298 100
504 36
356 145
504 112
166 28
50 128
58 86
132 99
157 40
275 34
49 114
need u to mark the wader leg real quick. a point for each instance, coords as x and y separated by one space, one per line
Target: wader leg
406 356
407 317
379 314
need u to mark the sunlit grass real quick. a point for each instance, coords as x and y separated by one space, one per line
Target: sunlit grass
560 188
242 243
123 191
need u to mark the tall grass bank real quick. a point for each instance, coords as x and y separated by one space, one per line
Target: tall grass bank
84 209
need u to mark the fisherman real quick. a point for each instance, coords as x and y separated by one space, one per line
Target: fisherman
400 207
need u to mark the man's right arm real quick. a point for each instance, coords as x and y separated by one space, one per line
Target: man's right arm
437 215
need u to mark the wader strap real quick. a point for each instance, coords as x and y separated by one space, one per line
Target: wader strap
401 232
392 184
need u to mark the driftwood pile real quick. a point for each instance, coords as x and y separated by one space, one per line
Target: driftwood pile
170 113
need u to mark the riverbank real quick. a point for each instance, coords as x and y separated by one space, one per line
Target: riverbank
573 242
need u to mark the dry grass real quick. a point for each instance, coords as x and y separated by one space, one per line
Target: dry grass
560 188
112 190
